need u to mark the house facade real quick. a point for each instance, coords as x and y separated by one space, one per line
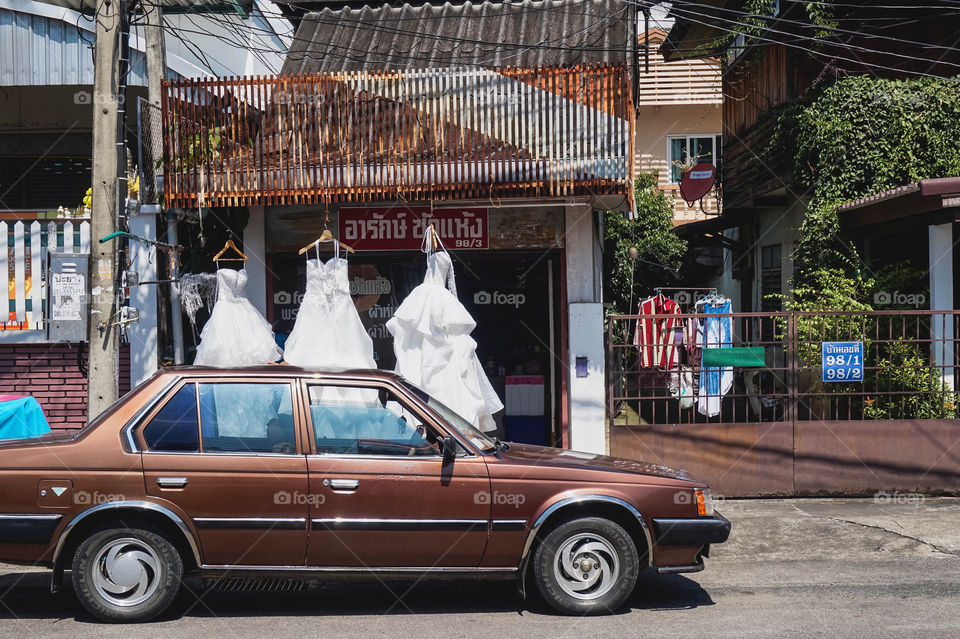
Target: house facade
747 251
679 118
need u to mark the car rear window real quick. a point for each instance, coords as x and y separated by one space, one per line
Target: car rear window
174 428
247 417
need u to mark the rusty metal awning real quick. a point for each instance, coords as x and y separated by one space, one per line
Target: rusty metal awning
404 135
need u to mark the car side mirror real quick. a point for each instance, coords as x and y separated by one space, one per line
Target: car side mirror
448 446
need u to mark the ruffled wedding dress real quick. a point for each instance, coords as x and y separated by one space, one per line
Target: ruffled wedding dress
328 332
431 338
236 333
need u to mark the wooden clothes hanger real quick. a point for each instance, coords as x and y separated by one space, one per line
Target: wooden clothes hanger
432 235
226 247
326 236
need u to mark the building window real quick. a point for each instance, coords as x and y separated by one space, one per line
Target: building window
771 279
703 148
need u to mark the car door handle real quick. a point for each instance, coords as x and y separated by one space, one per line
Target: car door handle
342 484
172 482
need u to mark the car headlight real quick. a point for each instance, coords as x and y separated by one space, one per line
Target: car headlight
704 501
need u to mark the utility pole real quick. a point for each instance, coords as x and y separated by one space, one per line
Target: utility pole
156 54
156 73
103 370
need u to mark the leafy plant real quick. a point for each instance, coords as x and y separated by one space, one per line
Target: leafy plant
920 391
640 254
658 252
829 290
198 149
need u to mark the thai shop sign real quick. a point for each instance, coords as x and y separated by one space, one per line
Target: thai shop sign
403 228
842 361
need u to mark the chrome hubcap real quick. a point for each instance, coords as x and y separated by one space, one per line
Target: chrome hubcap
586 566
126 572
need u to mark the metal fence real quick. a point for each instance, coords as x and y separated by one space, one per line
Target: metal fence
150 153
23 257
658 376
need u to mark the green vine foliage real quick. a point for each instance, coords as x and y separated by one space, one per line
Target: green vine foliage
864 135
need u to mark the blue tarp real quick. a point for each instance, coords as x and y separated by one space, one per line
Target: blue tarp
22 418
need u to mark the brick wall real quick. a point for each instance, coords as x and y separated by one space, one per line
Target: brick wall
48 372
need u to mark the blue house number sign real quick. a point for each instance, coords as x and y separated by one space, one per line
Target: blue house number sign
842 361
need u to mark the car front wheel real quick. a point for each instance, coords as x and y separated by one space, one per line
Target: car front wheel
586 566
126 575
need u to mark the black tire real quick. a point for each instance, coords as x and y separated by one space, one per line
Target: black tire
126 575
610 555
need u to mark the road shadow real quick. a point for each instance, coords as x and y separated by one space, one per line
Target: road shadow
27 595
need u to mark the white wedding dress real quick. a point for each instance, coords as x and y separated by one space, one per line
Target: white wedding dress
328 332
236 333
431 338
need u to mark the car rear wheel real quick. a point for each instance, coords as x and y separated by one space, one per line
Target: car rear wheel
126 575
586 566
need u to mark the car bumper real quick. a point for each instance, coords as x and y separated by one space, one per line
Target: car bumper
699 531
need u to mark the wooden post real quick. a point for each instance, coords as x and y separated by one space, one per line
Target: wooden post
103 362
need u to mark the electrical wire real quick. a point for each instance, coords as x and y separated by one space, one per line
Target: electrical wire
364 55
847 45
783 20
822 54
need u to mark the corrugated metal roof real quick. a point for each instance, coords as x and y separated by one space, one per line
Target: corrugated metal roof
525 33
37 50
927 188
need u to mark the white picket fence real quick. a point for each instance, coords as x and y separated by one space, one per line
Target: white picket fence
23 258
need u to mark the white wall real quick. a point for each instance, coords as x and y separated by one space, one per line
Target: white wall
230 44
143 334
941 298
255 248
586 394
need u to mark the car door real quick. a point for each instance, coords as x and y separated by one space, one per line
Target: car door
381 493
227 453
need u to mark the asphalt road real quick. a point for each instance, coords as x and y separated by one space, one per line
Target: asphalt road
792 568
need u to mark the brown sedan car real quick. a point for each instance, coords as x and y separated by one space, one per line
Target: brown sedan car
278 470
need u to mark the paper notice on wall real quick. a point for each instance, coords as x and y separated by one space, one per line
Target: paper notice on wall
68 291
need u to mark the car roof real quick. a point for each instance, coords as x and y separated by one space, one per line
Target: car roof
279 370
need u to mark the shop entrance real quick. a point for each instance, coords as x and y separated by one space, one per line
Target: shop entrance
513 295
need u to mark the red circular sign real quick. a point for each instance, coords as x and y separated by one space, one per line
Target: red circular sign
698 181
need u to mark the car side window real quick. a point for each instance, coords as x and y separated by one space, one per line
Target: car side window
248 417
367 421
174 427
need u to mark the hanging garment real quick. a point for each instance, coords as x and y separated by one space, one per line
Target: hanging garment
691 340
328 332
236 333
654 338
715 382
431 338
681 386
197 290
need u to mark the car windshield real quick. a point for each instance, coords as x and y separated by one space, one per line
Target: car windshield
465 428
